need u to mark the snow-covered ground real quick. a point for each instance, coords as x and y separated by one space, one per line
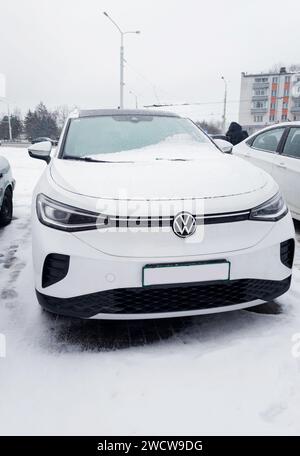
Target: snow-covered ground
232 373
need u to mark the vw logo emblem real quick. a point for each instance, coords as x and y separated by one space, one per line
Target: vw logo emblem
184 224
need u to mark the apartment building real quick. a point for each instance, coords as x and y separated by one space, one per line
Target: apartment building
269 98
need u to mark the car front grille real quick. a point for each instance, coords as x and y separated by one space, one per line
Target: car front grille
158 299
167 221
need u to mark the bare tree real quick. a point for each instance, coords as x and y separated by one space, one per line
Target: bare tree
294 68
211 127
276 67
61 114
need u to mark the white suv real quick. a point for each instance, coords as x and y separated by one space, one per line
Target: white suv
140 215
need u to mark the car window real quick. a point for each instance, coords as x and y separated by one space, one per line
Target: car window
268 140
292 145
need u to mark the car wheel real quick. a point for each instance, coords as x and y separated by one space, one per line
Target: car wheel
6 208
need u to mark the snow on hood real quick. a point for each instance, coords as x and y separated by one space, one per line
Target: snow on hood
160 174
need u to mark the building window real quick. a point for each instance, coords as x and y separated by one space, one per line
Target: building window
285 105
287 79
273 105
258 118
274 93
260 92
284 117
275 79
272 118
259 104
286 92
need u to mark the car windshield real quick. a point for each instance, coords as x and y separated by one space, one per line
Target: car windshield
131 137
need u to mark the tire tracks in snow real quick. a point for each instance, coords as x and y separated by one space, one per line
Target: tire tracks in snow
13 240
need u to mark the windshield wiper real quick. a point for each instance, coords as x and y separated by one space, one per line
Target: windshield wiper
73 157
173 159
90 159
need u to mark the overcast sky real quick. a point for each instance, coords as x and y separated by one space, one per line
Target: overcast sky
67 52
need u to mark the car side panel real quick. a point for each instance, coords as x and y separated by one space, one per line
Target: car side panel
287 175
260 158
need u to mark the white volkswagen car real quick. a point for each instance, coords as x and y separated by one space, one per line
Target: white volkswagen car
140 215
276 149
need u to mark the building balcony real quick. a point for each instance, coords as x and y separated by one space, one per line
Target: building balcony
259 110
261 85
259 97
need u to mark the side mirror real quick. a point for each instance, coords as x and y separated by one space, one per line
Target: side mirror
41 151
225 146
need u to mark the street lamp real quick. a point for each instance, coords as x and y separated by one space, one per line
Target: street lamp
225 104
121 57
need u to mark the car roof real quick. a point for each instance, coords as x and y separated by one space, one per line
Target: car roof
123 112
295 123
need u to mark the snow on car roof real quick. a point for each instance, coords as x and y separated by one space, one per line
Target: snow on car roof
285 124
124 112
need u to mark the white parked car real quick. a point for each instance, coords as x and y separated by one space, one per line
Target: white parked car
140 215
7 184
276 149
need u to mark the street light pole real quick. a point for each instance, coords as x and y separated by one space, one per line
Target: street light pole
121 57
225 104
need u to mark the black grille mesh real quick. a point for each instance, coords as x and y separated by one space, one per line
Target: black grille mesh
167 299
287 251
55 268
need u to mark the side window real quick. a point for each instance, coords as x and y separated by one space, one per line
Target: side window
268 140
292 145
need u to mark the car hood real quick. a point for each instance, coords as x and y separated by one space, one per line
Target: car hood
212 175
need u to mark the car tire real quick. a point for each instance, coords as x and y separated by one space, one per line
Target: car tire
6 211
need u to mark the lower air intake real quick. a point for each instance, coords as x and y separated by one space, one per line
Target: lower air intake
56 267
287 251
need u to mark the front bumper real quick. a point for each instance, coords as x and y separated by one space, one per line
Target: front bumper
99 285
168 301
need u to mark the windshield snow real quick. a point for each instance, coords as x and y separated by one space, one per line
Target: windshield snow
119 138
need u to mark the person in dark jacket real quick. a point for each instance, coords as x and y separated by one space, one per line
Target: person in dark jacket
236 134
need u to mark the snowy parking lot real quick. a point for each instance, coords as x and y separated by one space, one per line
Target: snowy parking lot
232 373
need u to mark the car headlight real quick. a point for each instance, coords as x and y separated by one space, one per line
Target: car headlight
67 218
272 210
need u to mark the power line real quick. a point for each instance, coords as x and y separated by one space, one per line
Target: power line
196 103
149 82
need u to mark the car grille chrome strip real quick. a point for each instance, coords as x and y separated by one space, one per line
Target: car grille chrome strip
167 221
223 218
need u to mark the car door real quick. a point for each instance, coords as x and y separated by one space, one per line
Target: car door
262 148
287 170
